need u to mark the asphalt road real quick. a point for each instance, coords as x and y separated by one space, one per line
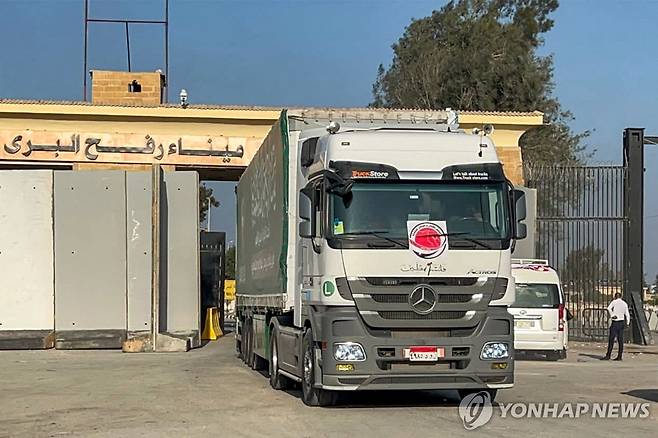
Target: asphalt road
210 393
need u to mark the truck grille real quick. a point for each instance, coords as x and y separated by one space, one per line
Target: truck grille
458 303
413 315
404 298
412 281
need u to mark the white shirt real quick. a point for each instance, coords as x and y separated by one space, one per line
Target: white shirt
618 310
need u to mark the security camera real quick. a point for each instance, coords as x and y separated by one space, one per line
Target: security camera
183 98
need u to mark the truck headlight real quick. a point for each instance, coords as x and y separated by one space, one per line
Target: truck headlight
495 350
349 352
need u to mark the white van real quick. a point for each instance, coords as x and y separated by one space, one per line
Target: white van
540 318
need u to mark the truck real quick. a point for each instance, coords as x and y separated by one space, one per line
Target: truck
376 255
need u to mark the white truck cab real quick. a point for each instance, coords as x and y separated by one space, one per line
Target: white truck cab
540 316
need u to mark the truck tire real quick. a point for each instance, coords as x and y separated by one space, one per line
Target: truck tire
238 351
465 392
250 344
277 381
257 362
239 340
244 339
246 348
312 396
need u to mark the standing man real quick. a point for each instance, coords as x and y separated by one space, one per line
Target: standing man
618 311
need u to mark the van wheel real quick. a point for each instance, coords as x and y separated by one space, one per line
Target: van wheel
463 393
277 381
312 396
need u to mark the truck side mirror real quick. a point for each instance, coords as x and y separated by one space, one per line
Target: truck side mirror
305 213
519 205
520 213
308 151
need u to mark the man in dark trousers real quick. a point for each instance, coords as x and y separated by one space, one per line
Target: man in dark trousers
618 311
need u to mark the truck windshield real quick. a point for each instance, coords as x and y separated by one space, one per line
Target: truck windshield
472 211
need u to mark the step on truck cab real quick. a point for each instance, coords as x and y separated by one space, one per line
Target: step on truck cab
377 258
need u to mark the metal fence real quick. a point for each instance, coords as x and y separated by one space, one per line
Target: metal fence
580 230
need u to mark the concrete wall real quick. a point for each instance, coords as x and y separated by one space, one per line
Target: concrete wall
180 237
139 192
90 250
26 250
76 256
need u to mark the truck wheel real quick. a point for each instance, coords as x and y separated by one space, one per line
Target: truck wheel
312 396
238 351
277 381
257 362
244 341
245 347
238 348
465 392
250 344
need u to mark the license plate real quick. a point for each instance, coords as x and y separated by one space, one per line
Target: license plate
423 354
524 324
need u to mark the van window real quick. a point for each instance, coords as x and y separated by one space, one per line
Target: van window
537 295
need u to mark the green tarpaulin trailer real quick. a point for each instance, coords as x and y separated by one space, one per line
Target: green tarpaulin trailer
264 225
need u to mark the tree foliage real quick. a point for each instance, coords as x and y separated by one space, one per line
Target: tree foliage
206 200
229 270
482 55
587 265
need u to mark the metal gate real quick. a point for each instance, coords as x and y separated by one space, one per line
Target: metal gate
213 248
580 229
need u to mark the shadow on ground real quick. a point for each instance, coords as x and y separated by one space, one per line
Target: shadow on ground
645 394
590 355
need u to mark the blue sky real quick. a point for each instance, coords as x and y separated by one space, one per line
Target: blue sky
326 53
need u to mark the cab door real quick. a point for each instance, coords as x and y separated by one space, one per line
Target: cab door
312 197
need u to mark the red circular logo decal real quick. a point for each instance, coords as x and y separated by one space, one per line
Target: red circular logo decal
427 240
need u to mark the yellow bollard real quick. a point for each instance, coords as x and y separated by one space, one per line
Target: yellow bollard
211 329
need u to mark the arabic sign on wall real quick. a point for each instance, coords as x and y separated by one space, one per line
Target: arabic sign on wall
126 148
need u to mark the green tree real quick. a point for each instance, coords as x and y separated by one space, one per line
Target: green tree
482 55
206 200
229 270
587 265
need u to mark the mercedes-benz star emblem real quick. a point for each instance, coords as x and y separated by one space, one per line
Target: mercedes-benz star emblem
423 299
